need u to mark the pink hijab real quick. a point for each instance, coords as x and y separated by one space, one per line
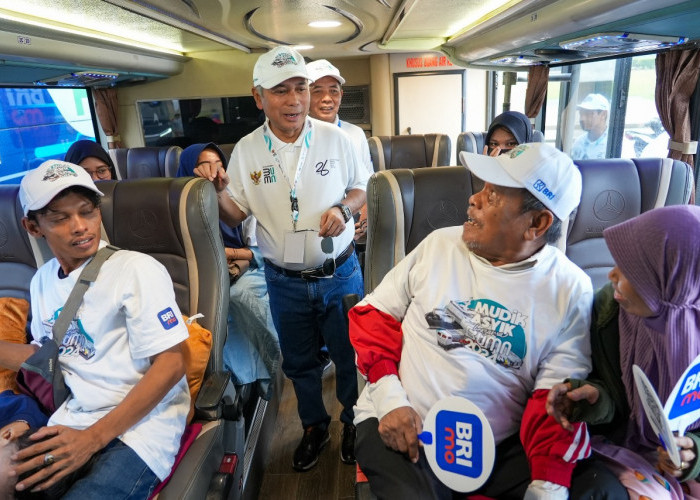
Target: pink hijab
659 253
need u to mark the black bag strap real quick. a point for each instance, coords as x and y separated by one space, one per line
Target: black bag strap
87 276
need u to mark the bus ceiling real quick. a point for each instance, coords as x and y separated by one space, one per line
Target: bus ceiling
108 42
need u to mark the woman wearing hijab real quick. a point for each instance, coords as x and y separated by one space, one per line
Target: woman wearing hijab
649 316
93 158
506 131
251 352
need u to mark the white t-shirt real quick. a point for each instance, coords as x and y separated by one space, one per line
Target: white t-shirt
489 334
585 149
128 315
259 188
359 139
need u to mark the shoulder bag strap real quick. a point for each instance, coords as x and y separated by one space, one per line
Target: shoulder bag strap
87 276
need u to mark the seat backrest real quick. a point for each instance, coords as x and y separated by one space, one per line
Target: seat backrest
409 151
17 265
404 206
473 142
175 220
227 148
118 156
615 190
152 162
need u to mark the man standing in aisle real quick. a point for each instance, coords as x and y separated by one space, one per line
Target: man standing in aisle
302 180
326 96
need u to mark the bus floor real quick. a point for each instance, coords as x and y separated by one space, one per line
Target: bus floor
330 479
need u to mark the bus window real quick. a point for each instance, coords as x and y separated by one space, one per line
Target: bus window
644 136
38 124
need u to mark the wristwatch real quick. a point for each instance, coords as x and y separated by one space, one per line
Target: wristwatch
347 214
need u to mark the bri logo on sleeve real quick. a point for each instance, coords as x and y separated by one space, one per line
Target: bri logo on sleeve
167 318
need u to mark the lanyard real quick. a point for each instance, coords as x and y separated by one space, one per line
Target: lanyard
302 157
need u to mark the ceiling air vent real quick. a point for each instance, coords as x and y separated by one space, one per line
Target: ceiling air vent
616 43
80 79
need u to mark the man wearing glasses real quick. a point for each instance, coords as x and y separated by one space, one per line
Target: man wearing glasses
302 180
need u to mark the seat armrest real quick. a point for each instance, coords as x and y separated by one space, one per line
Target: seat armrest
218 398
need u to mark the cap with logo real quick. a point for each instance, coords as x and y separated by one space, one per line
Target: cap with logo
319 69
595 102
546 172
278 65
41 185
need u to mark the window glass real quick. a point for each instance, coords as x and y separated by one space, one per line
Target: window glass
586 119
554 94
39 124
644 136
517 91
182 122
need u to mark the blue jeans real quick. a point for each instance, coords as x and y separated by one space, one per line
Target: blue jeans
302 311
252 351
113 473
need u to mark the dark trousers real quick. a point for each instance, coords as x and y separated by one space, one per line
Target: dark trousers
391 475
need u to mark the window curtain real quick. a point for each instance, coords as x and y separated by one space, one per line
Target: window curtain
676 77
537 80
106 107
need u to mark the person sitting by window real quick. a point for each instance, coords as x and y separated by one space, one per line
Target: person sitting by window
506 131
93 158
251 352
649 316
117 433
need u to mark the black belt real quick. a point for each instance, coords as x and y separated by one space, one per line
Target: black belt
313 272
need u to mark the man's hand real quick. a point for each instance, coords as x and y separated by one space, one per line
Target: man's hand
399 430
688 453
70 449
332 223
560 401
215 173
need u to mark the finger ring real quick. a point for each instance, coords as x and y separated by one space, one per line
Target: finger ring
683 465
49 459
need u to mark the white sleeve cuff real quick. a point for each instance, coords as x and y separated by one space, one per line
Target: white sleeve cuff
387 394
544 490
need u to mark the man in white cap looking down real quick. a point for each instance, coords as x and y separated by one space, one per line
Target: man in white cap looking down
488 311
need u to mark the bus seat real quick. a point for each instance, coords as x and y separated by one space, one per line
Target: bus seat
615 190
409 151
17 264
118 156
171 220
227 149
152 162
404 206
473 142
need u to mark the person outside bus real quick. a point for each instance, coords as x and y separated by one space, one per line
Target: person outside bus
302 180
118 432
649 315
251 351
93 158
506 131
493 278
593 117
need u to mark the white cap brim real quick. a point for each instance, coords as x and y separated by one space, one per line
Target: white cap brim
489 169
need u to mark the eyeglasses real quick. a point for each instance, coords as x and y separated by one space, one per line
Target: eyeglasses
328 264
102 173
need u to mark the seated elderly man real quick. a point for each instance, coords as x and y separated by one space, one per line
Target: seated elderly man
117 433
522 310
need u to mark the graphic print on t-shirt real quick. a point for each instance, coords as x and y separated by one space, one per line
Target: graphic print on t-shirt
484 326
76 342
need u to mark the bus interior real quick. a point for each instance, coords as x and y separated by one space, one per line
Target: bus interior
146 78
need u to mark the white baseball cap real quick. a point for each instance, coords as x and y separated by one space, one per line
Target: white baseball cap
595 102
546 172
41 185
319 69
278 65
